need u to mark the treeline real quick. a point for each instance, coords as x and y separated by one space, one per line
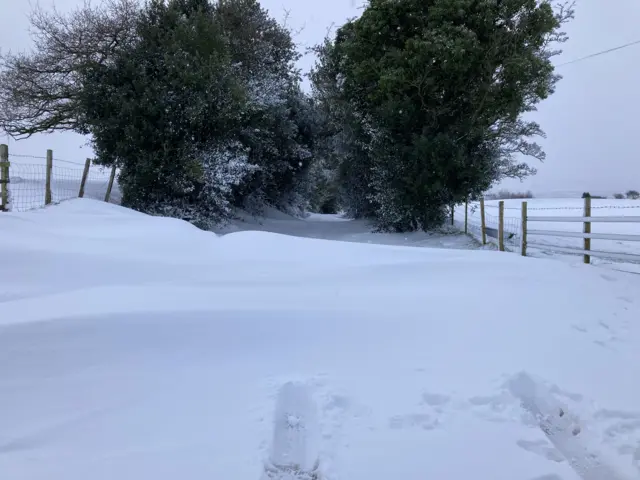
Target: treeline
630 195
415 106
506 194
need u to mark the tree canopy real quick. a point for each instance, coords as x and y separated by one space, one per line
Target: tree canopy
416 105
433 94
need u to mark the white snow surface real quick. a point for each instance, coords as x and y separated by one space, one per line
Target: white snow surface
136 347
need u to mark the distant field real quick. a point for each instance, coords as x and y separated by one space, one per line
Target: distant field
27 187
558 207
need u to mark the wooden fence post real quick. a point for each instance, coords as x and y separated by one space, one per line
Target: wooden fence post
501 225
85 174
47 185
523 230
587 228
4 177
466 216
482 222
107 196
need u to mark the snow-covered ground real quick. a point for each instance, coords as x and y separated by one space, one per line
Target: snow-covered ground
27 187
136 347
560 207
336 227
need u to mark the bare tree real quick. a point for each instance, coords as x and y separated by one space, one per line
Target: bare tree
39 88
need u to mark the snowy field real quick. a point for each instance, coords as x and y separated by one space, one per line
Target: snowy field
27 187
559 207
136 347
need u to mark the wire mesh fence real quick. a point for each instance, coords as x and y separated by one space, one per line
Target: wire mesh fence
98 183
65 183
26 188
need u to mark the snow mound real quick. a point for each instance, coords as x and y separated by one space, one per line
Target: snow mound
137 347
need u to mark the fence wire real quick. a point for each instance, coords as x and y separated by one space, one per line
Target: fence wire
65 183
27 183
26 187
98 183
513 225
574 208
512 228
39 157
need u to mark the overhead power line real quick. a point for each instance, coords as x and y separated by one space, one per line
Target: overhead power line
597 54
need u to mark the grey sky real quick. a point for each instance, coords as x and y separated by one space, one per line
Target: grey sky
591 121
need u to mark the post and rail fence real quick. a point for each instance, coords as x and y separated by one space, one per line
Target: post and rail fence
515 233
26 186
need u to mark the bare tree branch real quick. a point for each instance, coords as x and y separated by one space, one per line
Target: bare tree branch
39 88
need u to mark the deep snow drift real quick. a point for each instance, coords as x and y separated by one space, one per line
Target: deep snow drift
134 347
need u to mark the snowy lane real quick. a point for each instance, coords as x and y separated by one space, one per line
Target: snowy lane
335 227
137 347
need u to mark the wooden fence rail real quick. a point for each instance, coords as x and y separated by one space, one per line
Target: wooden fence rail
587 235
585 218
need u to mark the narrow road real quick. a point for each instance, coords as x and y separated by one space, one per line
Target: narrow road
335 227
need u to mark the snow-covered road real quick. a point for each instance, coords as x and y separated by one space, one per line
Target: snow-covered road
336 227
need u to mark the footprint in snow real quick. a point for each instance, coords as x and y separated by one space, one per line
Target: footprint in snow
414 420
622 431
432 408
435 399
541 448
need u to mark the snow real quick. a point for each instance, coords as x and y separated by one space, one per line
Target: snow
560 207
296 429
563 429
27 187
337 227
137 347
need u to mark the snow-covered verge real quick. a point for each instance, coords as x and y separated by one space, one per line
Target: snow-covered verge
137 347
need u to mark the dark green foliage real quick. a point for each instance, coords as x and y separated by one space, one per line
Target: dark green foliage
427 97
203 111
166 97
417 105
197 102
278 123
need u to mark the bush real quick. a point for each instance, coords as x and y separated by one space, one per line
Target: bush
595 197
506 194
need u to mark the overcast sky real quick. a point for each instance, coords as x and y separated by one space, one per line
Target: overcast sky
591 122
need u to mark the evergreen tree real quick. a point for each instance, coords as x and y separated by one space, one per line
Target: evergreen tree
277 124
433 94
197 102
162 110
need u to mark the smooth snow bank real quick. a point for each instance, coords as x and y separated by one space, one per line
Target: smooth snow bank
135 347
